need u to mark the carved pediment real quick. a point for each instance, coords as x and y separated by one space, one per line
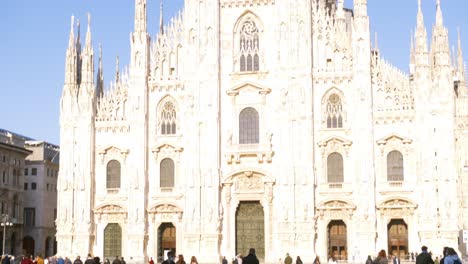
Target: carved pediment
335 141
396 203
335 209
110 209
164 209
166 149
113 152
394 137
335 205
245 175
248 87
165 212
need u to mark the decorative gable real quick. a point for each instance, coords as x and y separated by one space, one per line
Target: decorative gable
335 144
394 141
394 137
167 150
113 152
248 87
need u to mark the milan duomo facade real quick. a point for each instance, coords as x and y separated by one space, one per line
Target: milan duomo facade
270 124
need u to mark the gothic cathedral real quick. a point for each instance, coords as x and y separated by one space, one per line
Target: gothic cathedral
271 124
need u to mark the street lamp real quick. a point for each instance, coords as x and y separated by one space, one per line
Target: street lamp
5 223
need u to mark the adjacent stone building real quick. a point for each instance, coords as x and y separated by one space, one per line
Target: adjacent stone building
270 124
40 198
12 163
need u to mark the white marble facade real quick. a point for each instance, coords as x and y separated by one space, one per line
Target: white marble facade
279 102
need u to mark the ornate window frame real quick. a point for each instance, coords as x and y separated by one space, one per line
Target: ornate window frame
388 144
246 95
161 152
113 153
325 100
246 17
159 111
328 146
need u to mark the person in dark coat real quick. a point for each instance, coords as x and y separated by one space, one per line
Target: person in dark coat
89 260
298 260
77 260
424 257
116 260
251 258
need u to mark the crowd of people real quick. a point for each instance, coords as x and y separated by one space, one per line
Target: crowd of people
8 259
449 256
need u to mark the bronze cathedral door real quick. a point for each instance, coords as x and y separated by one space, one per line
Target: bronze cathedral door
250 229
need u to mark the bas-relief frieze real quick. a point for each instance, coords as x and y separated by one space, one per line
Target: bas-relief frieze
165 212
249 184
335 210
397 208
111 213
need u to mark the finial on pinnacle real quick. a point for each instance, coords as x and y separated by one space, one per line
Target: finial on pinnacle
72 22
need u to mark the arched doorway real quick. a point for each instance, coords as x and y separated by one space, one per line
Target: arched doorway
28 246
337 240
250 229
397 231
166 240
112 241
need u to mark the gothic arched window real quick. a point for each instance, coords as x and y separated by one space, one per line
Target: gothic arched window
166 173
113 174
334 112
395 166
168 118
249 46
248 126
335 168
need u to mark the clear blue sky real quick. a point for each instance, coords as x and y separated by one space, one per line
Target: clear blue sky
34 36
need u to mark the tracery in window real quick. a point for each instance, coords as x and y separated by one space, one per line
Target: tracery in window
334 112
395 170
335 168
248 126
168 119
249 46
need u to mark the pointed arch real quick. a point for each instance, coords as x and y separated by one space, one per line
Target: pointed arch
333 109
167 116
247 42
